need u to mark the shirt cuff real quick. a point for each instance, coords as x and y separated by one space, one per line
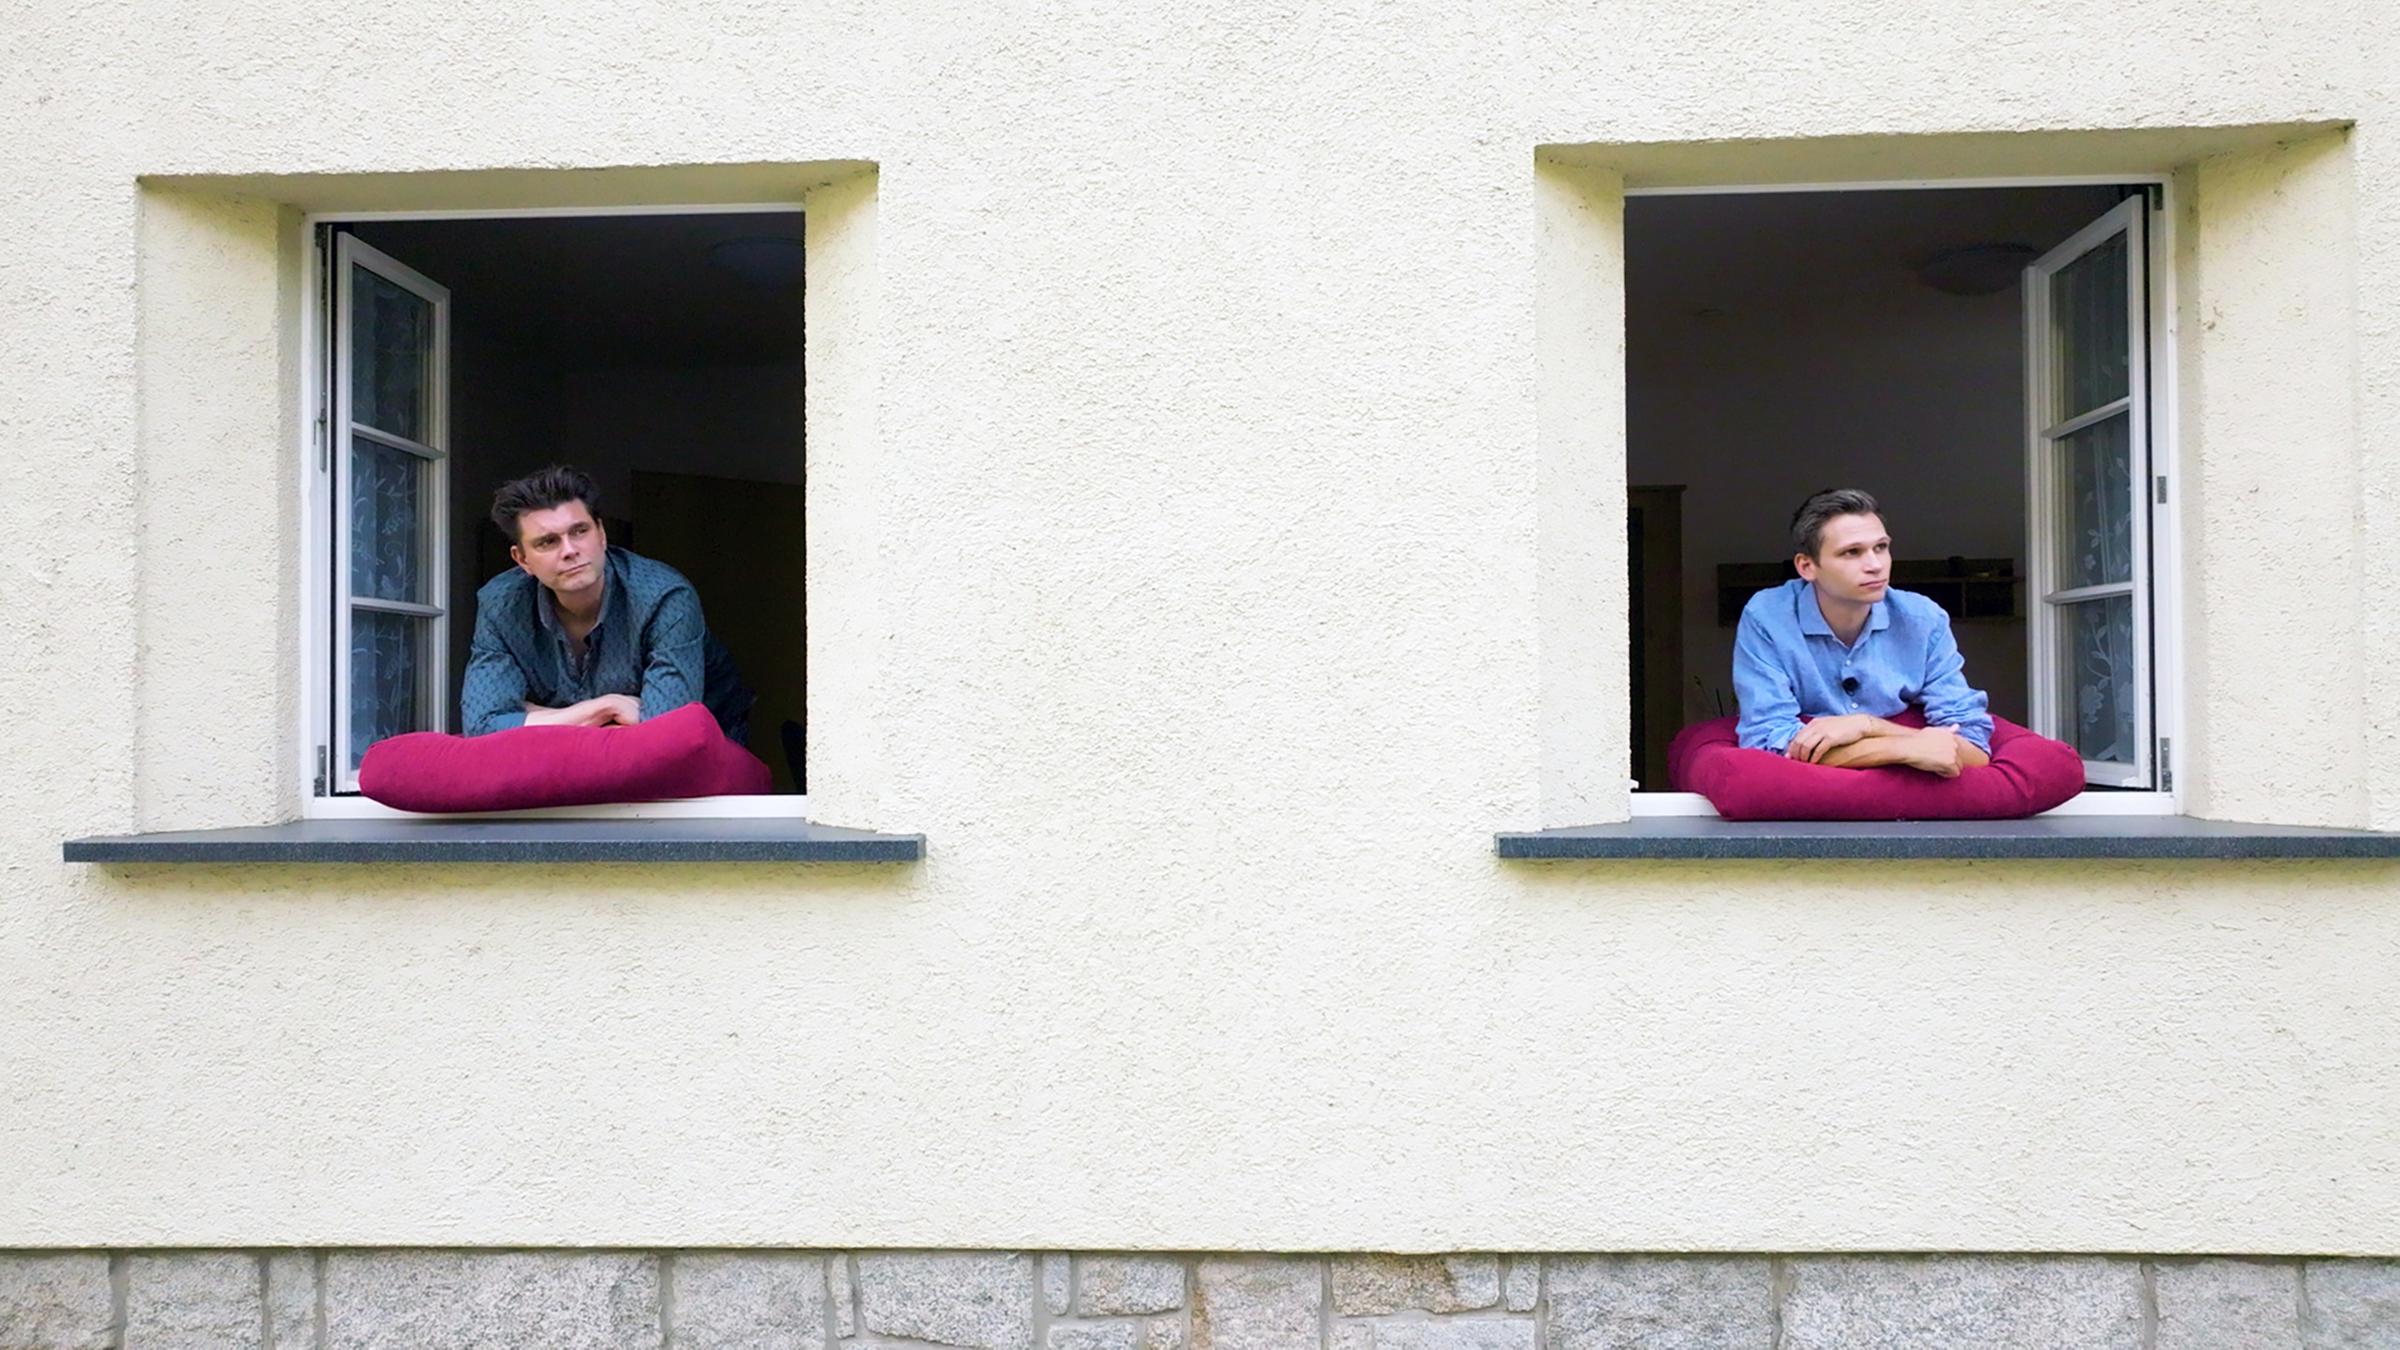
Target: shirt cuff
1774 741
507 721
1977 734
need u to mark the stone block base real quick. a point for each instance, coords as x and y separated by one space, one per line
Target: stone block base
349 1299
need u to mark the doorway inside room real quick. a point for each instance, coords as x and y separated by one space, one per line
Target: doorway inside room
1979 359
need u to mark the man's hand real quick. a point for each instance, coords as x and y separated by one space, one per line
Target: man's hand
1939 751
1829 733
606 710
621 709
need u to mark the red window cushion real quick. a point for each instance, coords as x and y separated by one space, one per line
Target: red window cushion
677 754
2028 774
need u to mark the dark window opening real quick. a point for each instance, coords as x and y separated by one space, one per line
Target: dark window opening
1778 343
663 355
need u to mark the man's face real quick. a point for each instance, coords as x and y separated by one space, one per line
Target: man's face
1853 562
561 547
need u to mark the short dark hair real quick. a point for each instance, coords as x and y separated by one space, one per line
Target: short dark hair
539 491
1808 523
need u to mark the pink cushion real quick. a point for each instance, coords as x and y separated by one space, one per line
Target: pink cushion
677 754
2028 774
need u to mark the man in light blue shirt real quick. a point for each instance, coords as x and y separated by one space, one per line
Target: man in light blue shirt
1842 648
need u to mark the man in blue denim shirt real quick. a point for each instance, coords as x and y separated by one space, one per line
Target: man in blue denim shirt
1842 648
580 634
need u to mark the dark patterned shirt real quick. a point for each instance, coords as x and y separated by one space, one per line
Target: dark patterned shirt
650 642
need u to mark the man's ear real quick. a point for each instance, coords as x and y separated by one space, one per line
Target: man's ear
517 556
1805 565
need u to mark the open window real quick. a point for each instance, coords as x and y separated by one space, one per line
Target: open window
661 352
1979 358
387 426
2089 642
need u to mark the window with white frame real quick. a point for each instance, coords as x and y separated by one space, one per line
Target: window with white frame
659 351
1986 360
388 440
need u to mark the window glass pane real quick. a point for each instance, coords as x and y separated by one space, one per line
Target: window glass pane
387 536
2095 534
2096 679
2088 331
391 356
386 653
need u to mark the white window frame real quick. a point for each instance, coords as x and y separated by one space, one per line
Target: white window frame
319 771
2046 692
2165 631
340 435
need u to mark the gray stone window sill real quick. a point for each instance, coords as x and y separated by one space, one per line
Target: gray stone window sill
1709 839
507 841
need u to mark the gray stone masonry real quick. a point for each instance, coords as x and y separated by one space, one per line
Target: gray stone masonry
440 1300
1999 1302
977 1300
751 1300
1116 1285
62 1299
2350 1305
348 1299
203 1301
1058 1283
2227 1305
1366 1286
1258 1303
1661 1302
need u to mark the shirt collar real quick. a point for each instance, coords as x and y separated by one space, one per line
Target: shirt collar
1812 619
612 601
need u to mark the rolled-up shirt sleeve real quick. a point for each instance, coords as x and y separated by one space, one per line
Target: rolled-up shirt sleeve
1770 706
676 672
1949 700
492 697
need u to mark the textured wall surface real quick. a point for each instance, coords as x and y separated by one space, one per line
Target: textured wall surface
968 1300
1216 430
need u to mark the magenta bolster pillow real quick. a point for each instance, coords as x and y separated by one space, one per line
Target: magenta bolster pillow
2028 774
676 754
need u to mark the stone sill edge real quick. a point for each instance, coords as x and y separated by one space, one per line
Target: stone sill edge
341 841
1706 839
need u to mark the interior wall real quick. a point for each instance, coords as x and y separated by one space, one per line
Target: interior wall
1780 343
722 421
501 393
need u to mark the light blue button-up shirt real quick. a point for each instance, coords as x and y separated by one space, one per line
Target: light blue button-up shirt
1787 664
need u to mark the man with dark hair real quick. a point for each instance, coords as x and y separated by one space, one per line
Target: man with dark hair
1839 646
580 634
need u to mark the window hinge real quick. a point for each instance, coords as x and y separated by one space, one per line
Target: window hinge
324 451
2154 196
2166 764
2161 482
324 769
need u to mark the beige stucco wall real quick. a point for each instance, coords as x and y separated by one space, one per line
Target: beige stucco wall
1215 429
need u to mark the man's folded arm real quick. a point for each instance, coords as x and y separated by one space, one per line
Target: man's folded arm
1770 708
677 671
492 697
1900 745
1949 700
